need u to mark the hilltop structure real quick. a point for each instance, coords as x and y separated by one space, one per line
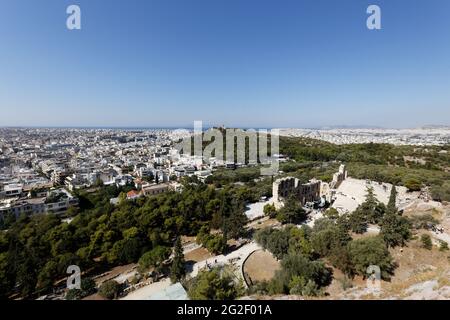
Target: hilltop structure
312 191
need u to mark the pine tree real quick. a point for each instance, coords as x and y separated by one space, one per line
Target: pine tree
370 211
234 224
371 201
233 218
391 207
395 229
177 270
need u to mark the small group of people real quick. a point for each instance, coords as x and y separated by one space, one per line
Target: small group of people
437 229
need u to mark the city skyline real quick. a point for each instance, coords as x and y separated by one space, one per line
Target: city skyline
307 64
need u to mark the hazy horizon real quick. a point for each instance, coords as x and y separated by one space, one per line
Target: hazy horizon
207 126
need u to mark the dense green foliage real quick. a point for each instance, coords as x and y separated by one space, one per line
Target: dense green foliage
270 210
215 284
329 235
441 192
395 229
330 239
88 287
110 289
291 212
287 240
371 251
214 243
154 258
370 211
300 275
36 251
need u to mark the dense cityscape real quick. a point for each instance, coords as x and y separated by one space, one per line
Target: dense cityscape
419 136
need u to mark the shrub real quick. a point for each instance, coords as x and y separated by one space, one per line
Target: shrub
154 258
215 284
281 242
110 289
371 251
291 212
395 229
299 286
426 241
299 275
441 192
270 210
327 235
214 243
88 287
413 184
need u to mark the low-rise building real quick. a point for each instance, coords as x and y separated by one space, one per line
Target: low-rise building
155 189
56 201
11 190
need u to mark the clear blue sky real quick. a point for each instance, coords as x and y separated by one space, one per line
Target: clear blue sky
250 63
